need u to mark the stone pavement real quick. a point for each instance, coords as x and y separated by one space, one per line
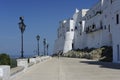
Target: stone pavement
72 69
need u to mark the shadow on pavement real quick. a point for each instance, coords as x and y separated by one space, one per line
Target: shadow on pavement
103 64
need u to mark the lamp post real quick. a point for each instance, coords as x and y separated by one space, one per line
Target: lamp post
44 43
47 48
22 29
38 38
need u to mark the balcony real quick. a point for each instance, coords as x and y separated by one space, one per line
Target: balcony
96 13
88 30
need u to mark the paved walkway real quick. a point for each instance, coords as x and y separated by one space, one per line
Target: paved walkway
72 69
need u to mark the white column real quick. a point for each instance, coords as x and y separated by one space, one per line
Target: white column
33 60
5 72
23 63
102 1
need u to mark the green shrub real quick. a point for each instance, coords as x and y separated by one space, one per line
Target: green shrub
4 59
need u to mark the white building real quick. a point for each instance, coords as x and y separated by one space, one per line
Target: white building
97 26
115 23
92 28
79 35
64 41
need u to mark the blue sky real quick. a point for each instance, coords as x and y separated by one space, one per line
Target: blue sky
41 17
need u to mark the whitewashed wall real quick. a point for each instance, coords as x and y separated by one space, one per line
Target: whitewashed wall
69 36
107 36
65 36
79 37
115 30
68 42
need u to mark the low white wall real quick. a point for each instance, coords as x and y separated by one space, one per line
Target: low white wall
5 72
27 66
9 74
23 63
33 60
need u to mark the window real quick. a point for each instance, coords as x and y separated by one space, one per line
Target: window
80 22
117 19
111 1
75 27
88 29
118 53
71 29
93 26
101 24
109 28
105 27
72 46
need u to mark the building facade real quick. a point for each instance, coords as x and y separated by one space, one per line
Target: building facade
79 31
64 41
115 29
93 28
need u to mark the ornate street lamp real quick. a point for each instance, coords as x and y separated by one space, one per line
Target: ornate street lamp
38 38
22 29
47 48
44 43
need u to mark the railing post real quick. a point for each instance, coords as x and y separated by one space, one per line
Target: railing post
23 63
33 60
5 72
